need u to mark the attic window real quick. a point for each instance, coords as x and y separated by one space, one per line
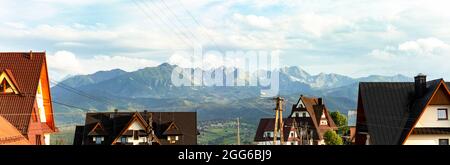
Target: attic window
172 139
5 87
6 83
442 114
323 122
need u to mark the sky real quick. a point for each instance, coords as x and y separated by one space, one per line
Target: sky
351 37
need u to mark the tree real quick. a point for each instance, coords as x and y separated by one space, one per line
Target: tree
332 138
341 121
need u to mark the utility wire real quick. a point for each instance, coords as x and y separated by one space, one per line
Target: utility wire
150 19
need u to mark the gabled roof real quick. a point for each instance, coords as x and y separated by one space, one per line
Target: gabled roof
268 124
25 70
115 124
391 109
135 117
172 129
315 111
98 130
312 107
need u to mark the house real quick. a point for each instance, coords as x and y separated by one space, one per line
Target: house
408 113
138 128
25 100
351 123
305 125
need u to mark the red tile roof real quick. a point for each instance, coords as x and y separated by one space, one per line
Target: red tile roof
25 68
315 111
9 135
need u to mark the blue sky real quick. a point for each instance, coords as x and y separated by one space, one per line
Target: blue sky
351 37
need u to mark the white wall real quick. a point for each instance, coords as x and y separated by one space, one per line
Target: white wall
40 103
425 139
429 117
300 114
134 126
46 139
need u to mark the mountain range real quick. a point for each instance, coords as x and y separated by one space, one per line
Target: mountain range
151 89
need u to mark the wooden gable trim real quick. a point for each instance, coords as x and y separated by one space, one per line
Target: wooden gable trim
95 127
170 126
46 94
330 121
425 107
136 116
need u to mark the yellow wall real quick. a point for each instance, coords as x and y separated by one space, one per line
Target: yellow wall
425 139
429 117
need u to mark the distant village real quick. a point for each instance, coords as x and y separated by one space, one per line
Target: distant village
387 113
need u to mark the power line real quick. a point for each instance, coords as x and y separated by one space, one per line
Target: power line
176 17
141 8
81 93
183 37
201 25
168 18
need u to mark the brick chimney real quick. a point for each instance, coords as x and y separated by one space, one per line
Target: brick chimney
320 101
420 85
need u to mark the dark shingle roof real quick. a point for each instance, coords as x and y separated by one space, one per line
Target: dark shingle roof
113 123
391 109
424 131
26 72
267 124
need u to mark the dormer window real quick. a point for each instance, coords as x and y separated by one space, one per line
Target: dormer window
7 83
5 88
323 122
172 139
98 139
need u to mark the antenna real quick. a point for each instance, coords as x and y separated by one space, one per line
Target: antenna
238 133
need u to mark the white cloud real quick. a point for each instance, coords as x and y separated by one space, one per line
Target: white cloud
209 60
426 46
319 25
254 21
425 55
336 31
64 63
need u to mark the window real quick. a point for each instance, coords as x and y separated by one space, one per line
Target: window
38 140
443 141
292 134
136 135
323 122
123 139
5 88
98 140
442 114
303 114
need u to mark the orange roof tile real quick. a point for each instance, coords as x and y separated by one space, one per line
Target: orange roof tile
25 69
9 135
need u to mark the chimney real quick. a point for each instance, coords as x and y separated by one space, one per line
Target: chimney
420 85
29 55
111 116
320 101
